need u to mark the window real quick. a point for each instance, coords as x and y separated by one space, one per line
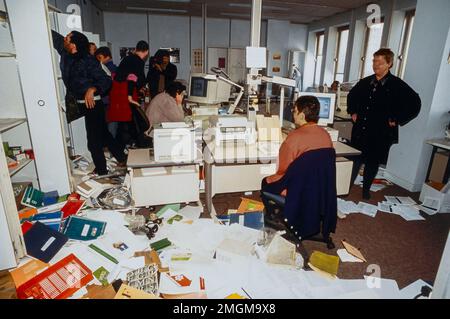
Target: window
341 52
372 44
405 42
320 37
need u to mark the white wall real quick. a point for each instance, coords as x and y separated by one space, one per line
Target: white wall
429 73
176 35
125 29
298 36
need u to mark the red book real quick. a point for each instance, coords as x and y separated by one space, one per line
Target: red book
26 226
59 281
72 207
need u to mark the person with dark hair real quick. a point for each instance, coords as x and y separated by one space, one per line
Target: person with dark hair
103 55
161 72
307 137
128 82
86 83
92 48
167 106
378 104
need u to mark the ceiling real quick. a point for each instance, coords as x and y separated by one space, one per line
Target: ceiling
296 11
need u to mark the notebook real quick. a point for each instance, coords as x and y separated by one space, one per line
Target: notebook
81 228
52 220
33 197
42 242
253 220
50 198
72 207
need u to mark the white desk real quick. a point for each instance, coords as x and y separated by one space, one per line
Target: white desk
155 183
241 168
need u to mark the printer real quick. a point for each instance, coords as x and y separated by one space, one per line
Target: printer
233 128
174 142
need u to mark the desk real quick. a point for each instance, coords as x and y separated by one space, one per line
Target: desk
155 183
442 144
241 168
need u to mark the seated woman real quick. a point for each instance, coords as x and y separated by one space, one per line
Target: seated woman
307 137
167 105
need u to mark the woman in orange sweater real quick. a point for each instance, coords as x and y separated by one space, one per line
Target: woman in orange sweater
307 137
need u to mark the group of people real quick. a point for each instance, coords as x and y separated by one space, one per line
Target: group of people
112 95
378 104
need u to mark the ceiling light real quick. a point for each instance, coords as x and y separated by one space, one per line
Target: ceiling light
246 5
180 1
157 10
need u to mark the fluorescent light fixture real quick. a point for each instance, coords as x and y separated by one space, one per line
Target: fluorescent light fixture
247 5
232 14
157 10
179 1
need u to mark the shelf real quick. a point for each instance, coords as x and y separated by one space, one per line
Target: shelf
13 171
7 124
7 55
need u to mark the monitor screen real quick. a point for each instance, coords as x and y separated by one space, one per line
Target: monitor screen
325 107
199 87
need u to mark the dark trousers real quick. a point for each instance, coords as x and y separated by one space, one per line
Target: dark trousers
370 171
98 136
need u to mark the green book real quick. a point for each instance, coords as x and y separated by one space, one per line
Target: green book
102 275
174 207
33 197
175 218
160 244
103 253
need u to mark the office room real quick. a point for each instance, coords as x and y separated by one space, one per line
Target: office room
206 149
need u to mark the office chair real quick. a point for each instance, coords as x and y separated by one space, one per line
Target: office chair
309 211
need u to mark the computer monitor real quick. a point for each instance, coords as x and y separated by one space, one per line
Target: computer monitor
205 89
327 106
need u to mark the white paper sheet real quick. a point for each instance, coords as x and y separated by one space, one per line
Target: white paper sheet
191 212
408 213
413 290
347 207
346 257
431 205
367 209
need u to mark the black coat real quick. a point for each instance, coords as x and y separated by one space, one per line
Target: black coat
311 204
153 75
392 100
80 73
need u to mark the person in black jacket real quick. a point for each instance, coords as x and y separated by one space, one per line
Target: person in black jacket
86 81
379 104
132 70
161 72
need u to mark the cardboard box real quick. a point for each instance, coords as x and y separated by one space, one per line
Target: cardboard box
438 167
438 191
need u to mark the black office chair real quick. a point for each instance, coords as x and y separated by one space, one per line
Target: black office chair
318 166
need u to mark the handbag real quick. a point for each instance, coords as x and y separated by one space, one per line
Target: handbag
74 110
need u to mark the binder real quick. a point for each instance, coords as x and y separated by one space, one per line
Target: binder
81 228
42 242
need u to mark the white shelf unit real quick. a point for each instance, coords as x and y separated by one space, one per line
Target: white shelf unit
30 116
22 164
14 130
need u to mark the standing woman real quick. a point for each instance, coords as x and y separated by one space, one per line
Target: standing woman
379 104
